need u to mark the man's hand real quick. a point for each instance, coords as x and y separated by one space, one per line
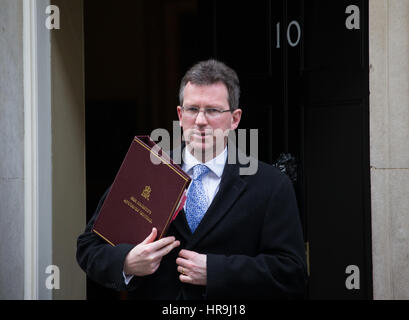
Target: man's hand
192 267
145 258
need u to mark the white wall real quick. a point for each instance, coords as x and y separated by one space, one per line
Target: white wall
389 140
11 150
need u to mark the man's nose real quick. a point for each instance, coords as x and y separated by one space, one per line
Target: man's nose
201 118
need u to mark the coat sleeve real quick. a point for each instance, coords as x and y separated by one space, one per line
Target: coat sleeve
278 270
102 262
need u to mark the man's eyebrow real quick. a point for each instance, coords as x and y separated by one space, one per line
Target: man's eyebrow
214 106
208 106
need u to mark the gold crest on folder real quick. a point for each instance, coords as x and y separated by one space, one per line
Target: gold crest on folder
146 192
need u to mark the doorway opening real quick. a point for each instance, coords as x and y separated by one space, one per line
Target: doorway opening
304 87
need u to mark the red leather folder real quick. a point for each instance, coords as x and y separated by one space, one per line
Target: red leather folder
143 195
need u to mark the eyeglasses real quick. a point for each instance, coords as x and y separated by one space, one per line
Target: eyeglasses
210 113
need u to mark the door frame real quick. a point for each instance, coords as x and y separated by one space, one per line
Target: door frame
37 150
54 150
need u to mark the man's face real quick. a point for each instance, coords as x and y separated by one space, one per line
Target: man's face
202 132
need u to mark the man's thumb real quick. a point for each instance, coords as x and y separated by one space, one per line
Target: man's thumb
151 237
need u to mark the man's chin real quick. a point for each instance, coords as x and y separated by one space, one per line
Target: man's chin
203 151
198 147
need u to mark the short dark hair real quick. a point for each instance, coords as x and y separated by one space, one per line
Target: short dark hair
210 72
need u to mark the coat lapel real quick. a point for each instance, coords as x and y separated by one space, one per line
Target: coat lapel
181 225
231 186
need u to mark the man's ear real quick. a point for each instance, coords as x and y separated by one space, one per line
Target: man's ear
235 119
179 111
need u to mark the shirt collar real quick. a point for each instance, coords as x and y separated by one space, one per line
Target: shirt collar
216 165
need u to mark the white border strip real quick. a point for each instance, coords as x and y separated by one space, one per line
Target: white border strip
30 150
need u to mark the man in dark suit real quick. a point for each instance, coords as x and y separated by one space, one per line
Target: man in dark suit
239 236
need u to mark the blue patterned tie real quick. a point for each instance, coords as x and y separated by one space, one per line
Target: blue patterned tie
196 202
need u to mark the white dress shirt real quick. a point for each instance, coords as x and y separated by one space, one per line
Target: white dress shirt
211 181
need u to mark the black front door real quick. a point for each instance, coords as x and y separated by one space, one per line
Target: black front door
303 67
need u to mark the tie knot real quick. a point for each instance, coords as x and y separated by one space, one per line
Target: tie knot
199 170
